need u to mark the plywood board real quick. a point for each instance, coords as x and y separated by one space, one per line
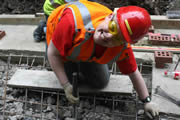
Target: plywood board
47 79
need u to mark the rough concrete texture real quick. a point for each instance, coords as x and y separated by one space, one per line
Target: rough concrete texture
20 37
144 57
19 33
169 85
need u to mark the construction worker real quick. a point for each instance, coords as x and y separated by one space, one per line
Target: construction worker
93 36
48 7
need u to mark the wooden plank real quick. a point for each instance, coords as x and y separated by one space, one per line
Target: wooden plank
47 79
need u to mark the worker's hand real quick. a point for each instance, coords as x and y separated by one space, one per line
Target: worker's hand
151 109
68 89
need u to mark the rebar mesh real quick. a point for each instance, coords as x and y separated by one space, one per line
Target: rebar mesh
42 104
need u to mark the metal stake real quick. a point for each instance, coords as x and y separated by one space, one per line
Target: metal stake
75 93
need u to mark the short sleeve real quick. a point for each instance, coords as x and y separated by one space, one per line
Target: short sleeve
128 65
64 32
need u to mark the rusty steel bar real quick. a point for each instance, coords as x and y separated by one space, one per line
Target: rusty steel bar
94 97
113 108
20 60
5 86
57 110
42 103
25 107
31 62
44 62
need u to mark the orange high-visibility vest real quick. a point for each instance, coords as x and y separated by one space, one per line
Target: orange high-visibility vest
87 16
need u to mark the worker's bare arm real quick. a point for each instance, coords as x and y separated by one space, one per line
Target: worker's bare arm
139 84
151 109
57 63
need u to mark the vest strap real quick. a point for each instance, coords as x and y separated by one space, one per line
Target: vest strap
86 17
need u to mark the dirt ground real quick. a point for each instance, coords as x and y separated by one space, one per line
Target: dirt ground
155 7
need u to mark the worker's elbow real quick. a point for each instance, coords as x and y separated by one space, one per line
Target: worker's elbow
48 53
51 50
134 72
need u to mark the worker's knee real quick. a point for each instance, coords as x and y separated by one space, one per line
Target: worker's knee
99 83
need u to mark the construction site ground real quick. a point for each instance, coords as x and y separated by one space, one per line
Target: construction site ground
18 43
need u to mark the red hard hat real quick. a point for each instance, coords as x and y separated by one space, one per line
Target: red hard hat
134 22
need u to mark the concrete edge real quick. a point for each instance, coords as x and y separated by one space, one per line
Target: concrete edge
21 52
20 19
163 22
158 21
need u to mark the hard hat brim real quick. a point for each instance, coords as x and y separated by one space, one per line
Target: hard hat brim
124 30
134 22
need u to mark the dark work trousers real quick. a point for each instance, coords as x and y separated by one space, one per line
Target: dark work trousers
90 74
46 45
38 33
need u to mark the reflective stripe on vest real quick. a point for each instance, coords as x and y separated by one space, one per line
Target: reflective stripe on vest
120 53
113 54
76 50
86 16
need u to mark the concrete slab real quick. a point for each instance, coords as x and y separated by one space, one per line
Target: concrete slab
26 19
164 23
144 57
19 29
169 85
47 79
165 106
20 37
